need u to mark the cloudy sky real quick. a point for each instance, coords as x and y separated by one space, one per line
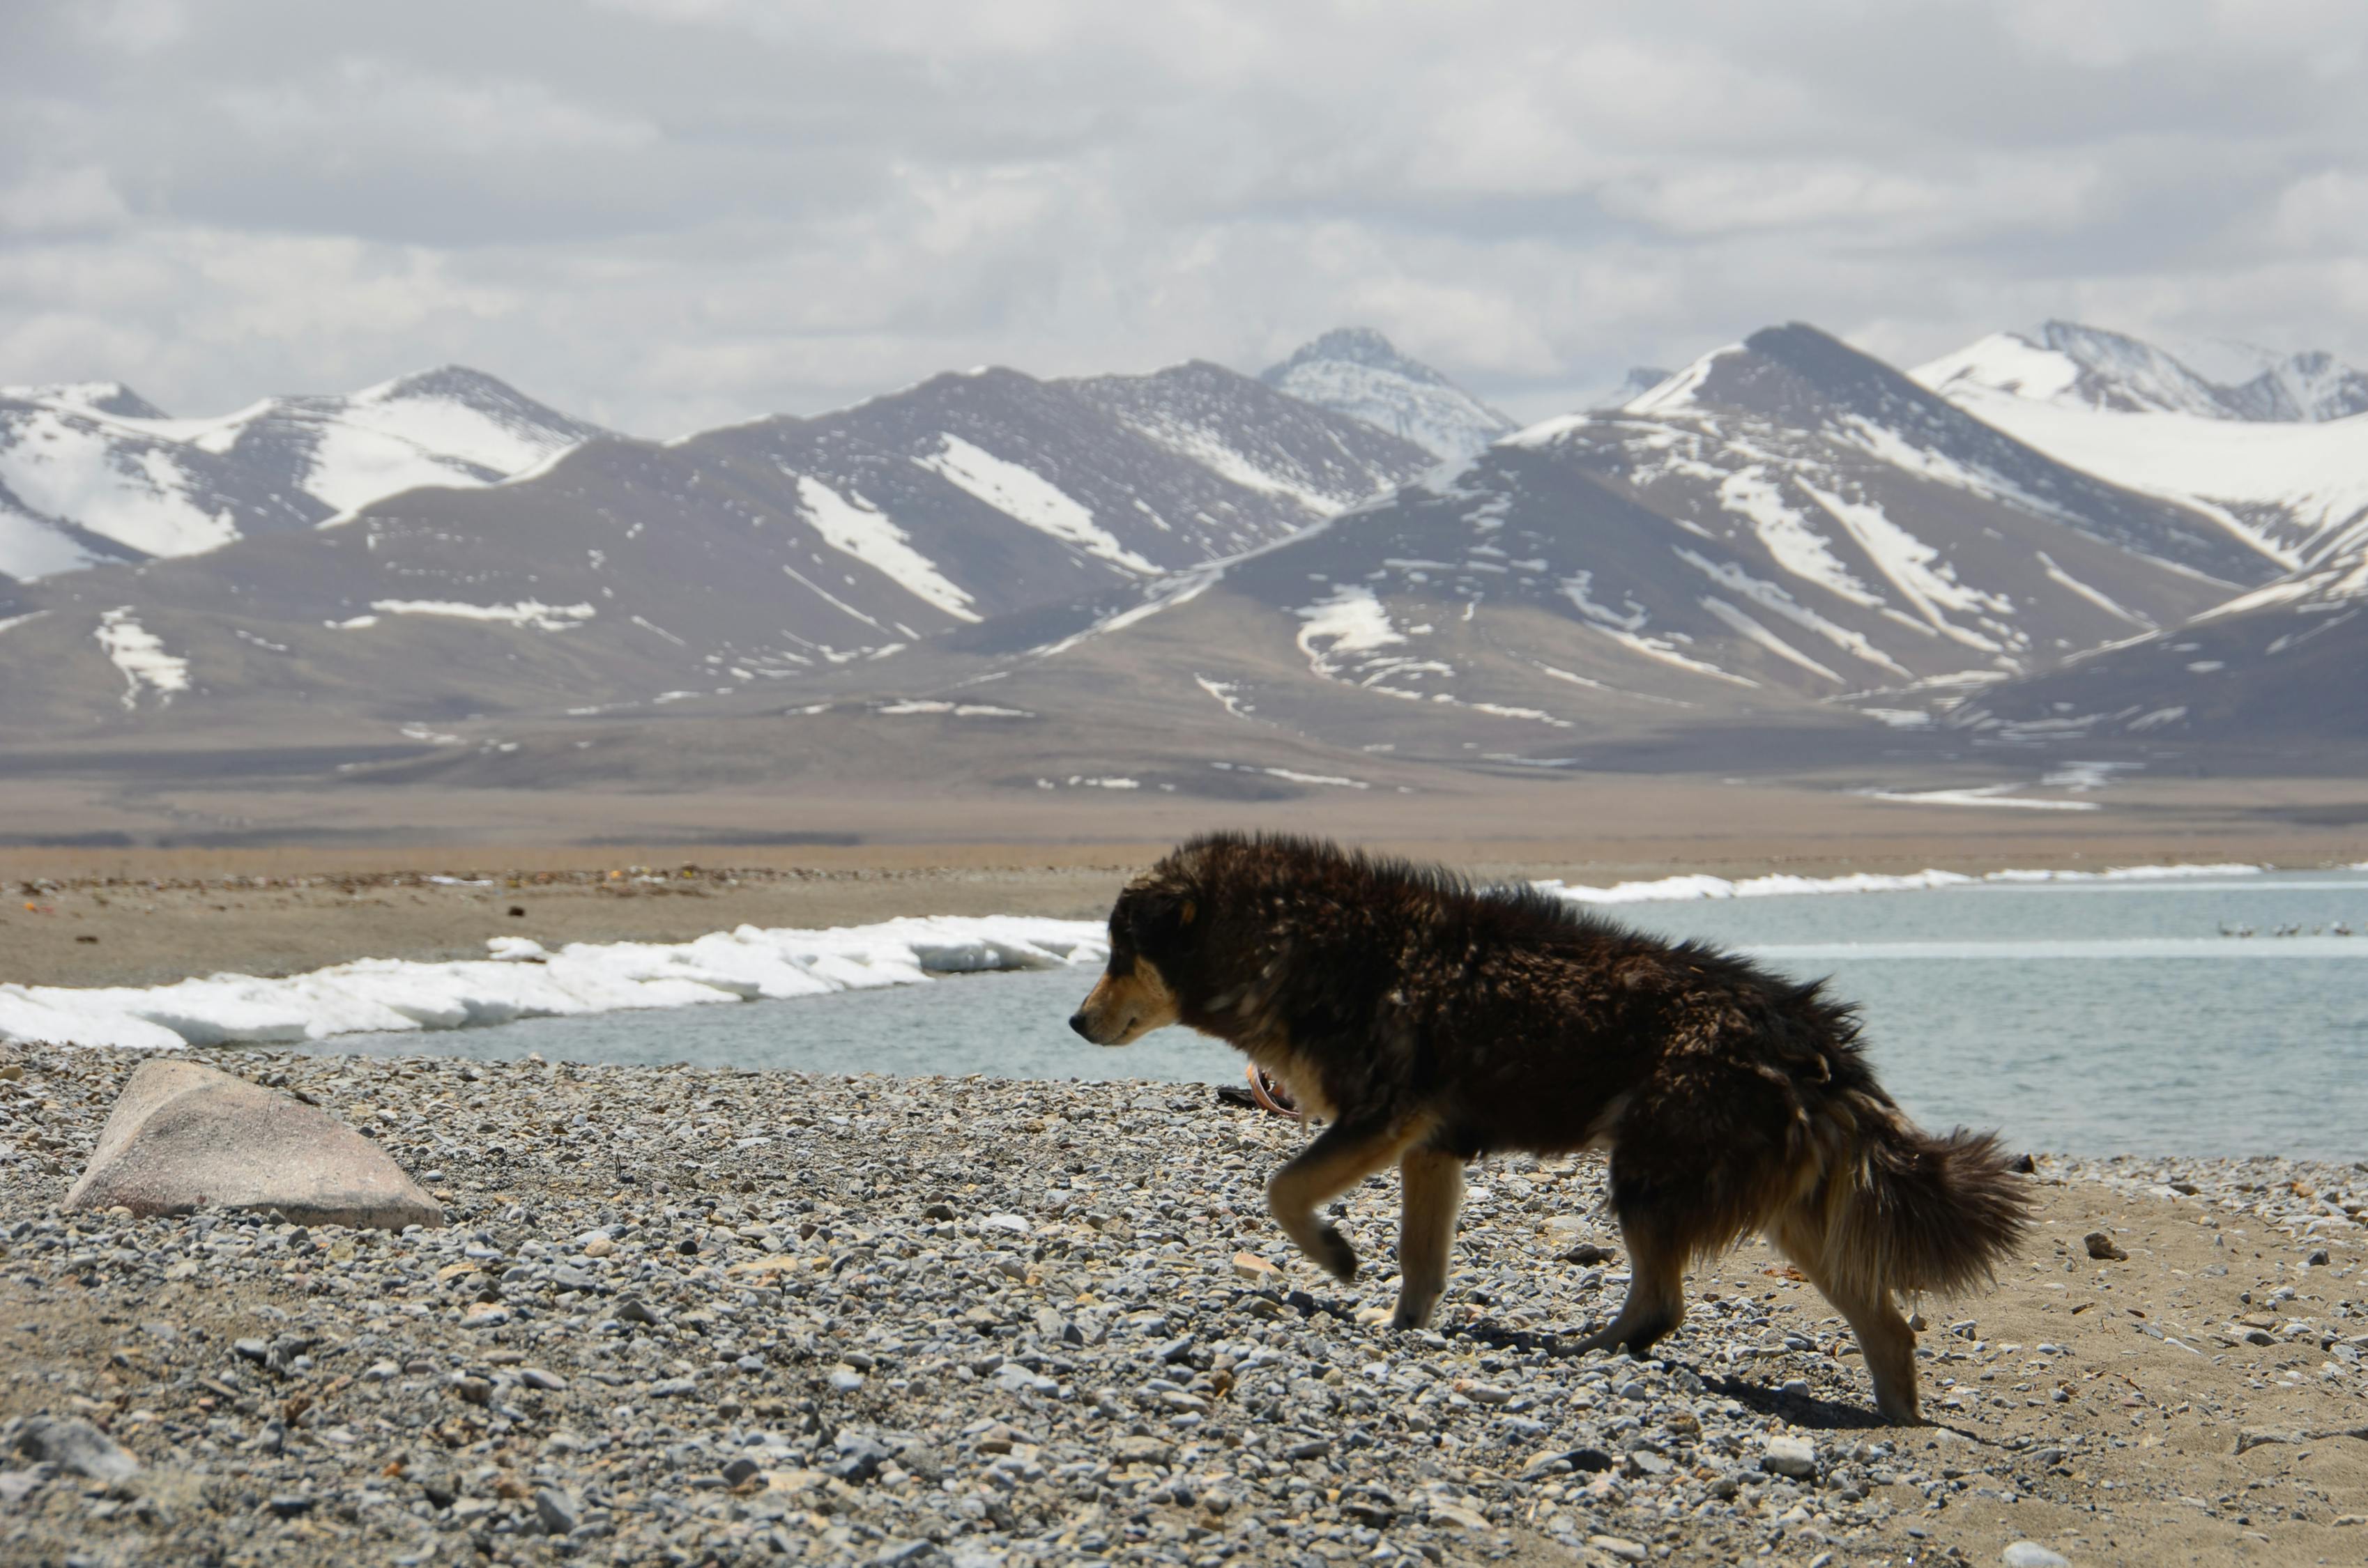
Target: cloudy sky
668 214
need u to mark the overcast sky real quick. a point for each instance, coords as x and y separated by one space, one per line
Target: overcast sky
667 213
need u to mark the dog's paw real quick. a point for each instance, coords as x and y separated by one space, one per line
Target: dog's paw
1411 1315
1335 1254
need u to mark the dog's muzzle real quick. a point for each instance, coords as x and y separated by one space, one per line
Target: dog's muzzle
1122 1008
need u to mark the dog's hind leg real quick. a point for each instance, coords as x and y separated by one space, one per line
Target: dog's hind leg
1884 1337
1346 1153
1433 1190
1656 1288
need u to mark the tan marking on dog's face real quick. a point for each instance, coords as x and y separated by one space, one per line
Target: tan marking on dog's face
1122 1008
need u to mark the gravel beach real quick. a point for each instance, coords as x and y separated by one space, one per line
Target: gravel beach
709 1316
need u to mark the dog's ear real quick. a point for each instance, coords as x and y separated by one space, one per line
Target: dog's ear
1166 919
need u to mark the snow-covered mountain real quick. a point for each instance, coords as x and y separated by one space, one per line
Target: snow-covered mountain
93 471
625 572
2087 367
1357 371
1784 529
2278 666
2281 460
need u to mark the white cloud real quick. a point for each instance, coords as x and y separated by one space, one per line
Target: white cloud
665 212
61 201
359 96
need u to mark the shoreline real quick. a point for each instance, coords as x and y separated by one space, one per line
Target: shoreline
290 912
865 1312
517 976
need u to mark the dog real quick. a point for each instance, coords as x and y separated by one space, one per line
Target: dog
1428 1022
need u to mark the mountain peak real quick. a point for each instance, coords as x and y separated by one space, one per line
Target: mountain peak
1354 345
1357 371
96 397
2076 365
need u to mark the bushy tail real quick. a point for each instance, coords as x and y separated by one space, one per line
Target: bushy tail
1919 1212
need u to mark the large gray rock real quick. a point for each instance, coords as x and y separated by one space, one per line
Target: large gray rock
71 1445
185 1136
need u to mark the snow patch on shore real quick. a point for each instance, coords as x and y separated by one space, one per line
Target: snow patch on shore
522 980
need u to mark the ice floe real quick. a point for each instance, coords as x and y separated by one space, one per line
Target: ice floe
1785 886
523 980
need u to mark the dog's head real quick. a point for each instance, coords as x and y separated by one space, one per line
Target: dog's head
1152 929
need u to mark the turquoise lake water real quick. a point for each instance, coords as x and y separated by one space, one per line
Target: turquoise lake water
2093 1017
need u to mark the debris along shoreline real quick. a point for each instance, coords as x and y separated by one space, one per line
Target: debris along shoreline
720 1316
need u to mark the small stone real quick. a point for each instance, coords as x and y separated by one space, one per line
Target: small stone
2260 1336
2261 1437
860 1458
255 1350
631 1309
2031 1554
1586 1254
600 1246
1137 1449
1787 1455
845 1379
557 1510
942 1213
474 1390
1016 1224
1616 1545
1312 1449
1174 1350
292 1505
1249 1265
741 1471
536 1377
2102 1248
2318 1259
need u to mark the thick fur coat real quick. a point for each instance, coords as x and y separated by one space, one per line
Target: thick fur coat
1429 1022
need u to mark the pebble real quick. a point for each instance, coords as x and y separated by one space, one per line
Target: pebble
2031 1554
1786 1454
559 1512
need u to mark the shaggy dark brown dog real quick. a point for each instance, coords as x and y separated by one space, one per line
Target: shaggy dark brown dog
1429 1022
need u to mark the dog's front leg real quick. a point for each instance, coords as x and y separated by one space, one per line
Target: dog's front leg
1433 1191
1346 1153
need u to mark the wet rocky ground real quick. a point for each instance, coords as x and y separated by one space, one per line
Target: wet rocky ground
704 1316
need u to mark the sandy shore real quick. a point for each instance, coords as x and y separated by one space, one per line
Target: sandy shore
701 1317
146 917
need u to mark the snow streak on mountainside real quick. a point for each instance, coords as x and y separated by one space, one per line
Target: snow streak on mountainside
1639 381
1357 371
625 573
93 471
